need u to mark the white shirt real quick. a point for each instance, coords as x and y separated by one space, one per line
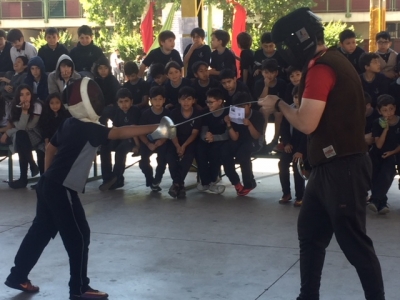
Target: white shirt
29 51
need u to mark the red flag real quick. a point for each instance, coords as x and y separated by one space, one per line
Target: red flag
146 28
238 26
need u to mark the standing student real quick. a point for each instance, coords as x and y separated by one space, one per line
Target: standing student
126 114
349 48
174 83
222 57
387 56
153 115
164 54
181 149
25 134
51 52
212 137
334 199
19 46
69 157
6 64
196 51
245 41
86 53
244 141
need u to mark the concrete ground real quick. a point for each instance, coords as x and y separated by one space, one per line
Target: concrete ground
147 246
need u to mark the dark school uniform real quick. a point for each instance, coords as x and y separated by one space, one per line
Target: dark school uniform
240 87
224 60
158 56
172 92
376 87
138 90
200 54
201 91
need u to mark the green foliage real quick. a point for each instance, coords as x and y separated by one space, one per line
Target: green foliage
332 31
65 39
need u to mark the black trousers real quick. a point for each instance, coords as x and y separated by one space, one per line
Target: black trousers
24 148
121 148
208 158
241 150
179 166
383 172
334 202
58 210
284 176
144 163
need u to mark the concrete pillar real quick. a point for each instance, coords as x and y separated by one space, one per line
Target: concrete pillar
189 20
377 21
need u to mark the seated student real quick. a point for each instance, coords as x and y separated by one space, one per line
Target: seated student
222 57
174 83
6 63
294 74
163 54
387 56
25 134
11 80
349 48
197 51
85 54
245 41
231 86
153 115
208 149
373 82
36 78
386 131
51 52
63 75
202 83
244 141
53 115
126 114
19 46
138 87
3 116
181 149
295 143
157 72
109 86
371 114
268 51
271 85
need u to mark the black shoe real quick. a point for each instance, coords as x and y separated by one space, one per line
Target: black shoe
118 184
107 184
18 184
90 294
26 287
181 192
33 186
34 170
155 187
173 190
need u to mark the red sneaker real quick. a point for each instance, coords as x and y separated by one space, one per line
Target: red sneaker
238 188
244 191
26 287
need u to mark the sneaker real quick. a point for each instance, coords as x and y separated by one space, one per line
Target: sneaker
202 188
107 184
285 199
118 184
238 188
298 203
18 184
89 295
245 191
181 192
173 190
384 210
26 287
216 188
371 206
155 187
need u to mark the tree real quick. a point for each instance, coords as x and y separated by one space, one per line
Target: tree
332 31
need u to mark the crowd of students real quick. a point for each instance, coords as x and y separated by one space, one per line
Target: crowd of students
206 80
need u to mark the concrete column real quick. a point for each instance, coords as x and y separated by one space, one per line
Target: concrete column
377 21
189 20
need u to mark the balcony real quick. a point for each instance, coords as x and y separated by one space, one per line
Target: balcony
335 6
35 9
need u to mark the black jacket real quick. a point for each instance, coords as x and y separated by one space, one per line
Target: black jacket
51 56
85 56
5 59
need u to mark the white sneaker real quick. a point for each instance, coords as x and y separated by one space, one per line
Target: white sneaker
202 188
217 188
